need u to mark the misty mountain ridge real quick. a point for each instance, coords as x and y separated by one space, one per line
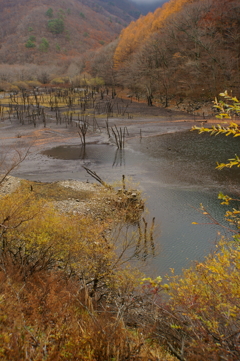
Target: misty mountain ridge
147 7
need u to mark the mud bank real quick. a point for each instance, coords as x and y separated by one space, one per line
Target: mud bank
143 121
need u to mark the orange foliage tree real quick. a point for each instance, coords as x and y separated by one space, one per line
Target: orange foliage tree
137 33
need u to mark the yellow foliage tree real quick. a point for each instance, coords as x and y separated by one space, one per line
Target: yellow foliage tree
203 314
228 108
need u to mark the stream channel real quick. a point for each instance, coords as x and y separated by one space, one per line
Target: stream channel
176 173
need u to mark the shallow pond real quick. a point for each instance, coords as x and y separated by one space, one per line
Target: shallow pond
176 172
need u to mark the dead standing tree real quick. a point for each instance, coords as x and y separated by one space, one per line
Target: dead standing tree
83 128
119 136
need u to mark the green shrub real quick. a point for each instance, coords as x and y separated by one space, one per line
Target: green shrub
85 34
44 45
49 13
30 44
61 14
32 38
82 15
56 26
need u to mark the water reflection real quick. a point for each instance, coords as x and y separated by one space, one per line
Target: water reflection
119 158
146 239
96 153
187 158
83 152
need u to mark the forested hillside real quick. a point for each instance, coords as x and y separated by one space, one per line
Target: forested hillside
187 48
50 31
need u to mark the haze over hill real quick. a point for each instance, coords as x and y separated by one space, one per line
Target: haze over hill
145 6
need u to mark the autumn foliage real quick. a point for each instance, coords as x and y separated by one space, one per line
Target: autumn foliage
52 317
65 285
185 49
201 321
137 33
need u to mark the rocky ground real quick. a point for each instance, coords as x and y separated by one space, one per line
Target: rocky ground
75 197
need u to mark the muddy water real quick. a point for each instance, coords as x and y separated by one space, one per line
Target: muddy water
176 173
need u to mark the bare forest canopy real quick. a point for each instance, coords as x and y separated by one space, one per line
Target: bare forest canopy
186 48
52 31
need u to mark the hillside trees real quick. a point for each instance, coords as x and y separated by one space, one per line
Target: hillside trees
155 69
141 30
102 64
56 26
200 43
207 50
64 28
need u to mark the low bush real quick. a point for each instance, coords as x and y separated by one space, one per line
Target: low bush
60 80
56 26
5 86
49 13
30 44
44 45
21 85
34 83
